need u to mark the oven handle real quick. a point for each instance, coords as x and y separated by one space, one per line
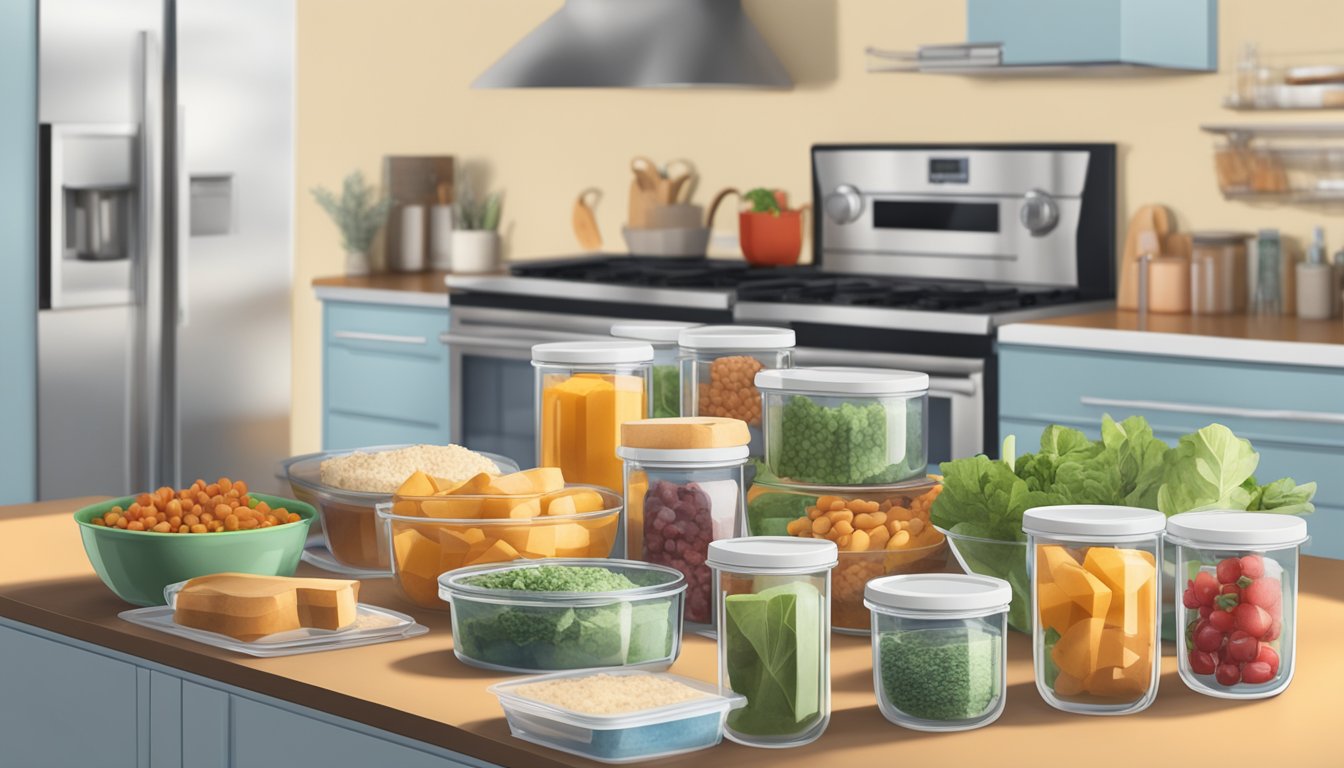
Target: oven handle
1310 417
485 342
967 386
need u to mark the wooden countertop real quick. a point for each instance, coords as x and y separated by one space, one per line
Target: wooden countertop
416 687
415 282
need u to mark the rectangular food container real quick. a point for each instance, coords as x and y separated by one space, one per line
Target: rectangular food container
629 737
522 631
850 426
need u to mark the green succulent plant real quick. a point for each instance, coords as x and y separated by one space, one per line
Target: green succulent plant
358 213
473 212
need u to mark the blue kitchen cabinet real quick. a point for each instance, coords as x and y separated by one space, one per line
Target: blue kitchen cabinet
1293 415
384 375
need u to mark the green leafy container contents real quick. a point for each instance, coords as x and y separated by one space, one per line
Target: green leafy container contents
983 500
666 372
558 614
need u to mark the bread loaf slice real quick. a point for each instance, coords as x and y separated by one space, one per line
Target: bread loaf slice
246 607
685 432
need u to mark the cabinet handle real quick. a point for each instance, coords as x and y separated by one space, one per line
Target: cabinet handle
383 337
1309 417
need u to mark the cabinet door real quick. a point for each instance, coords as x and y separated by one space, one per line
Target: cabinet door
63 707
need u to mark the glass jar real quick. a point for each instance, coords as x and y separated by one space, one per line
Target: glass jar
852 426
1237 613
1218 272
585 391
939 644
1095 595
666 373
772 603
719 364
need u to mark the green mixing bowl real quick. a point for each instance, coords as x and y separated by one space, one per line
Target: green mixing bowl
137 565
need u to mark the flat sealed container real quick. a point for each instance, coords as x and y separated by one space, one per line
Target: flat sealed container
629 736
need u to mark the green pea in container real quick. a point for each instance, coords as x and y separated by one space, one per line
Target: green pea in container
666 373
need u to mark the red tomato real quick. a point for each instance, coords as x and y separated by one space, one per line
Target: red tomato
1242 647
1229 570
1189 599
1205 611
1222 621
1230 589
1207 638
1275 629
1268 655
1256 672
1252 566
1202 663
1252 619
1264 592
1206 587
1228 674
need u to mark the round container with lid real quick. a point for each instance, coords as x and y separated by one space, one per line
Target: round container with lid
771 600
585 391
855 426
1095 597
1218 272
719 364
939 642
1237 612
666 374
684 487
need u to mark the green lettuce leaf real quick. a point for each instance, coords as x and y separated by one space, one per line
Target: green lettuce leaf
1138 458
1282 496
1206 470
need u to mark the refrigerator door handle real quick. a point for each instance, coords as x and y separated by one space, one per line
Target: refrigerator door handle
183 261
148 359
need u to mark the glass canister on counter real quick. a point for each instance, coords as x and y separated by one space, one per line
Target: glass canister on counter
1095 595
585 391
719 364
939 642
666 373
1237 575
774 643
684 488
1218 273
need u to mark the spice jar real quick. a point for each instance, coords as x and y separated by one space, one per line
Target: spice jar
1238 608
939 644
585 391
1218 272
666 374
772 602
684 488
1095 589
719 364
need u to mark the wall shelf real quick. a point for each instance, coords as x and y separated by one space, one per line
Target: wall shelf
1291 163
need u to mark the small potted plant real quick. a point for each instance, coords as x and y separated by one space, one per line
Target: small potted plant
359 213
476 236
770 233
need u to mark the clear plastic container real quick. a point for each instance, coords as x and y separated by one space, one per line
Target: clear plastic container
1237 612
528 631
626 737
430 535
772 603
1095 595
678 501
354 536
666 373
939 644
585 390
719 364
854 426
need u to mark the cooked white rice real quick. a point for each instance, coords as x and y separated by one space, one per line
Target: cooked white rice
385 471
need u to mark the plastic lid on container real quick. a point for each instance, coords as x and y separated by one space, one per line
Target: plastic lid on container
1089 520
732 453
844 381
665 333
1237 529
592 352
939 593
772 553
736 337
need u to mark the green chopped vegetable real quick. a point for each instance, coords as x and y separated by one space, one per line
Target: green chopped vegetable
947 673
773 657
553 578
770 513
841 445
666 392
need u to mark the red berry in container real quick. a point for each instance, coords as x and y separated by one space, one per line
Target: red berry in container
1207 638
1205 611
1229 570
1222 621
1252 619
1242 647
1252 566
1206 588
1256 672
1275 629
1228 674
1229 589
1189 599
1268 655
1264 592
1202 663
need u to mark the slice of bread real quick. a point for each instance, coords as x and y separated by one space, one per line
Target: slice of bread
247 607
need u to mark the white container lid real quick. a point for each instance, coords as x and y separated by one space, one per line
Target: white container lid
773 553
592 352
1089 520
736 337
665 333
1237 529
731 453
850 381
939 593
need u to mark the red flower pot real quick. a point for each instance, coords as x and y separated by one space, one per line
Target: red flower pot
770 239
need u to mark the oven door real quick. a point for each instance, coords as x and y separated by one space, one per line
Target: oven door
956 394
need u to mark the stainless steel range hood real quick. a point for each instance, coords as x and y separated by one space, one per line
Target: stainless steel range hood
640 44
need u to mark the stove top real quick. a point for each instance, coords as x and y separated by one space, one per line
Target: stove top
654 271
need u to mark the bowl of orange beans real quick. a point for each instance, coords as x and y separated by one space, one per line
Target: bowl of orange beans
140 544
878 533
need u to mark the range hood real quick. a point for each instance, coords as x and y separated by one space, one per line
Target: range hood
641 44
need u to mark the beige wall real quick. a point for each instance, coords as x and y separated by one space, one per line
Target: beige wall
382 77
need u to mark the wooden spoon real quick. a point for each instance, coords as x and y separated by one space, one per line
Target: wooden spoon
585 219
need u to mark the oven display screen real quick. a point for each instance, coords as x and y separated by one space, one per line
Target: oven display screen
945 217
949 170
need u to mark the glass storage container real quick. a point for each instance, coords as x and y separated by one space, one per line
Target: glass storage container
1237 613
772 602
853 426
939 643
1218 273
585 391
666 371
1095 595
719 364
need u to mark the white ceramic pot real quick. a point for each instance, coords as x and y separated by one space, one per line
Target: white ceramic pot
356 263
475 250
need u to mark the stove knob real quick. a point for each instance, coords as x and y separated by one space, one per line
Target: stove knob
844 205
1039 213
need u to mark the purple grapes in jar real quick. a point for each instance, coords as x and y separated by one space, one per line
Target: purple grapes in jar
678 526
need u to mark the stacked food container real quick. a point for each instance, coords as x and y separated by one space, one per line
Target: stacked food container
719 364
666 365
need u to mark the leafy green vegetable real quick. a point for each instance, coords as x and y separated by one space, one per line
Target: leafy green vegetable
666 392
1205 471
1282 496
773 657
762 200
769 513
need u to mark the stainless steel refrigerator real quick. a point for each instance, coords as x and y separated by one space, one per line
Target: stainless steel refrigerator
165 256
